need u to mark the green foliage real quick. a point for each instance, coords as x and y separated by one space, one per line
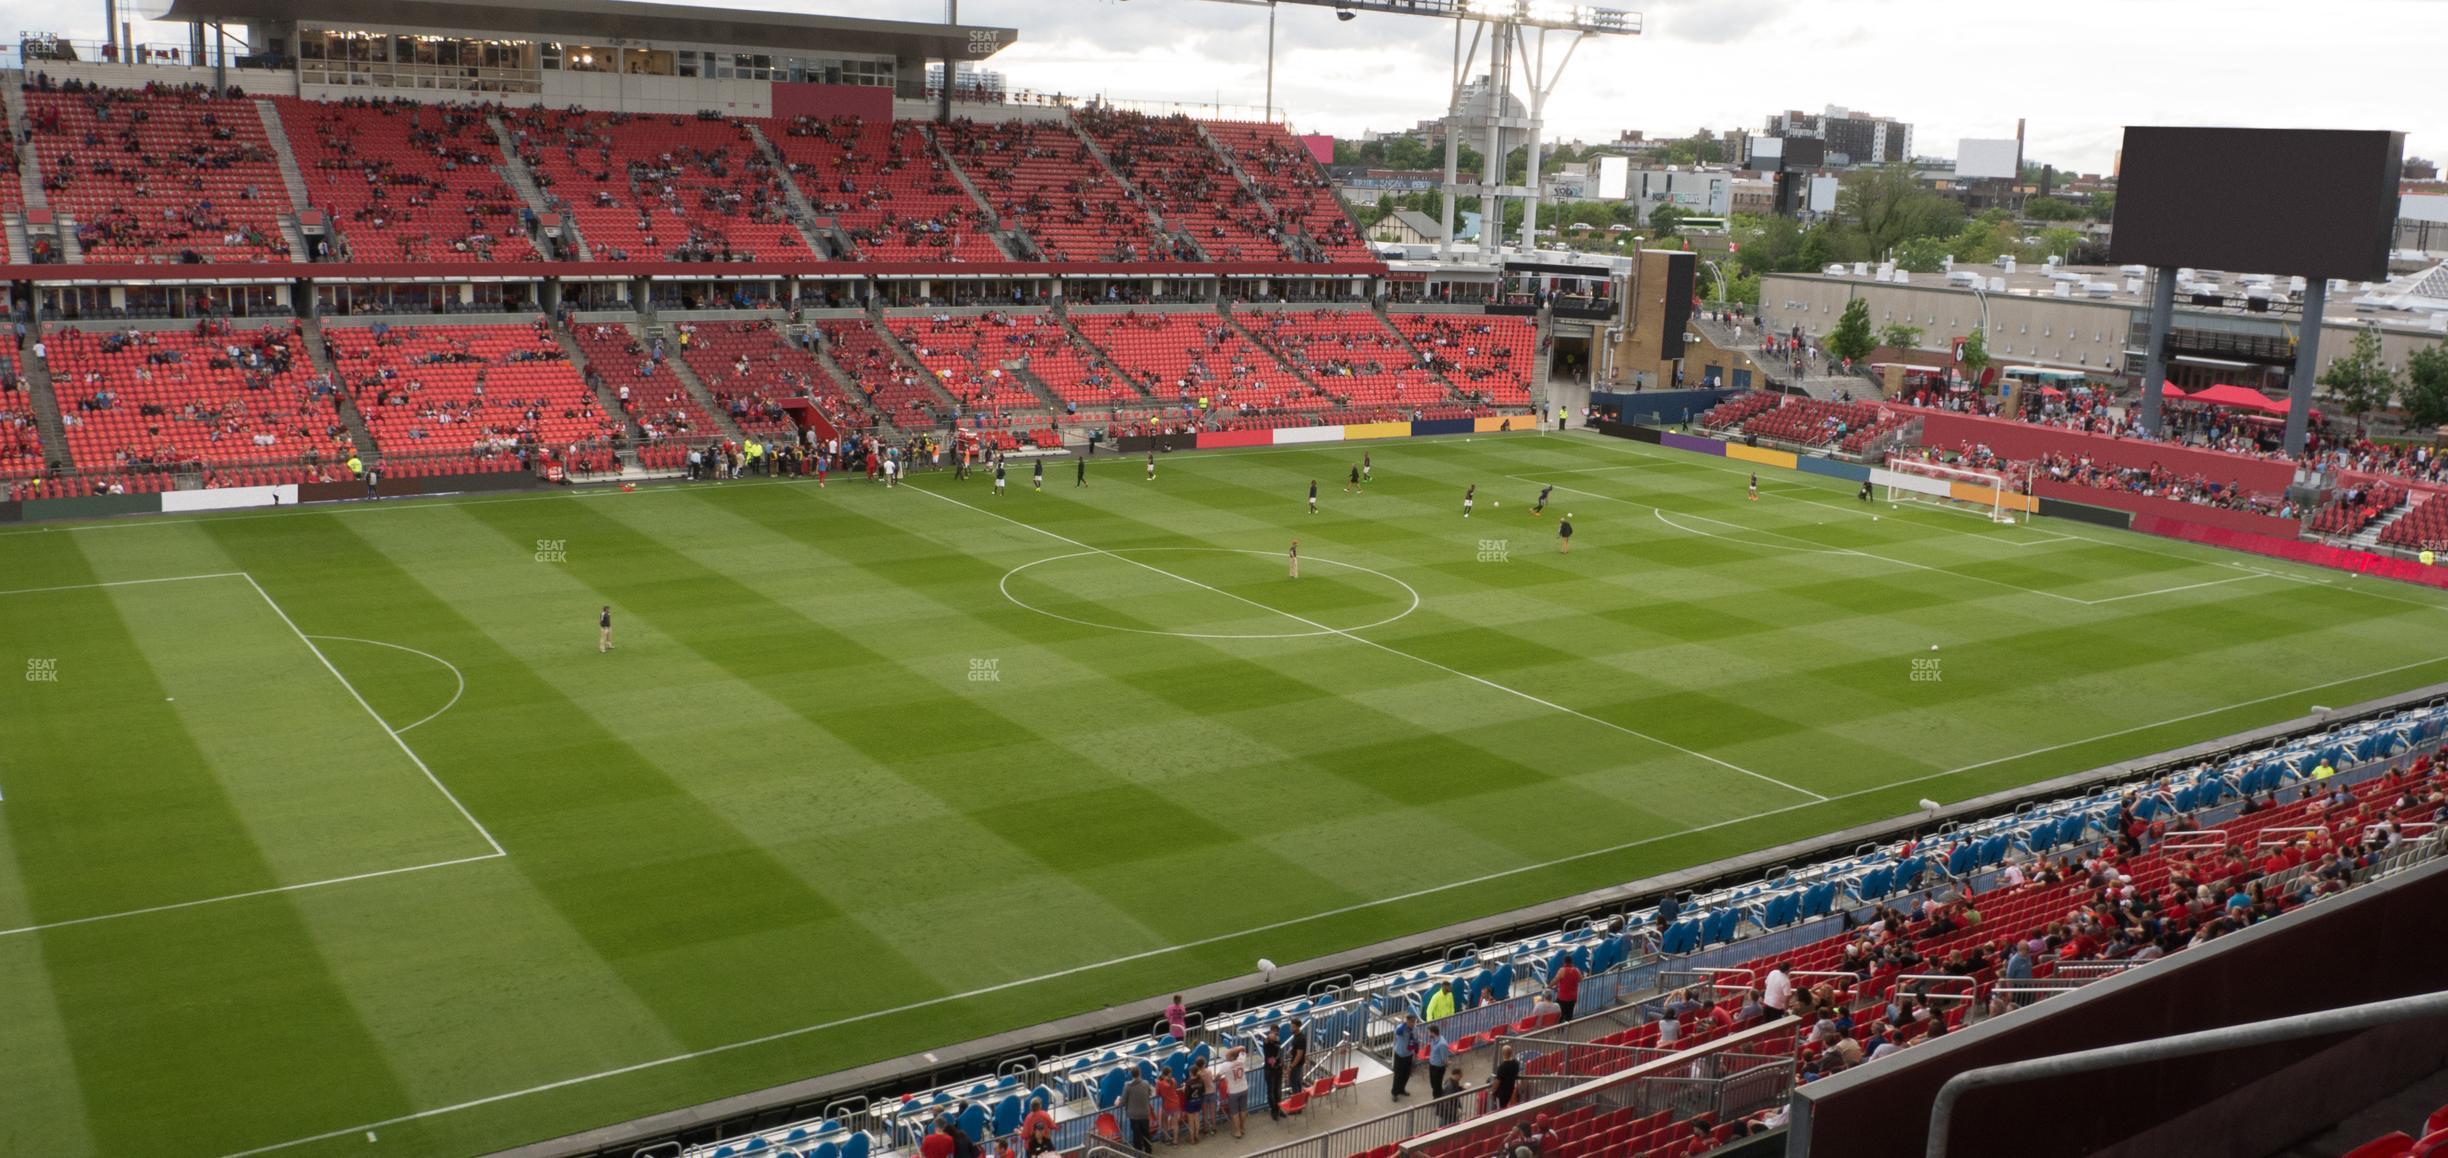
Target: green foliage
1923 254
2426 386
1692 150
1890 206
1852 339
1975 353
2361 382
2103 206
1665 220
2052 209
1900 336
1402 153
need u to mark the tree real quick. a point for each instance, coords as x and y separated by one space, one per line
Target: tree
2051 209
1890 206
2103 206
1900 336
1664 220
1922 255
2361 382
1851 339
2426 386
1975 356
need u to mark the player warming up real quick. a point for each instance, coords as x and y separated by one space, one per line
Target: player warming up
1151 466
1755 486
1037 475
1365 465
1296 558
603 631
1564 534
1083 472
1353 487
1540 508
998 491
1313 496
1469 497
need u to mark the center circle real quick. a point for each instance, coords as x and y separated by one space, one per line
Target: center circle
1303 625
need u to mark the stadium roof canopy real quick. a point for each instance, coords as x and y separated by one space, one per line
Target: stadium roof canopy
602 20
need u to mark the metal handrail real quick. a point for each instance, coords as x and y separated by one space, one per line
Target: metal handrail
2253 1033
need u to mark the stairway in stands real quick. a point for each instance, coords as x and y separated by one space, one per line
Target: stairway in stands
1010 241
29 185
292 178
46 405
345 404
2368 539
605 395
515 172
1137 197
803 214
689 380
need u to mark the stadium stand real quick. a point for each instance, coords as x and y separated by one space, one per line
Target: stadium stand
967 359
663 188
159 174
2356 507
1487 358
751 367
1899 943
1350 354
637 374
2424 527
1186 182
885 187
1041 176
1186 357
1283 172
155 401
893 389
470 394
409 182
21 449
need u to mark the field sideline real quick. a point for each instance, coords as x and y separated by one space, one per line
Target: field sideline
332 820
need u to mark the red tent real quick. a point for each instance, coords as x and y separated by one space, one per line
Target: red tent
2235 396
2171 391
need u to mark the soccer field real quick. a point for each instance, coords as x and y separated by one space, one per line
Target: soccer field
333 820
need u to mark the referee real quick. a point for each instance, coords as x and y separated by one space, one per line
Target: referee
603 630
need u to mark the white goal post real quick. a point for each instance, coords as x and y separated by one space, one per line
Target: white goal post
1984 492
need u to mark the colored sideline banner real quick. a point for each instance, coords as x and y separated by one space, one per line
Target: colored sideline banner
1209 439
1444 426
1294 435
228 498
92 506
2146 505
1364 430
1834 468
1496 424
2082 512
1782 459
2296 550
1673 441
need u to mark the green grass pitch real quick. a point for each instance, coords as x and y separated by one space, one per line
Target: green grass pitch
871 772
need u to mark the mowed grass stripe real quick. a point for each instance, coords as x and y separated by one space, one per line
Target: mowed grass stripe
140 1096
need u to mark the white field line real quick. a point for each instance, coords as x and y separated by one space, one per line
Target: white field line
456 674
1729 766
124 583
273 891
388 730
1255 930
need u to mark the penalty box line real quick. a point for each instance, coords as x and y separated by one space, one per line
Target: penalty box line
1325 629
495 845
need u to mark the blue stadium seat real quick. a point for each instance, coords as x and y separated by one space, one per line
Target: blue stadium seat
855 1146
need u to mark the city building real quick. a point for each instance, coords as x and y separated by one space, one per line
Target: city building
1853 138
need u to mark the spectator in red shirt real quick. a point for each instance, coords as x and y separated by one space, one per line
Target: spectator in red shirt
938 1144
1567 988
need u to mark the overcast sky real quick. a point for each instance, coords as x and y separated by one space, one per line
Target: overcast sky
2078 70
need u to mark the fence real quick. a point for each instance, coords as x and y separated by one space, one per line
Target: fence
1719 1082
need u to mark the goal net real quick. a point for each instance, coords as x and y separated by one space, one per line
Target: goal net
1959 488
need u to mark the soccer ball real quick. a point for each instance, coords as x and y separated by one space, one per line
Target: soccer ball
1496 502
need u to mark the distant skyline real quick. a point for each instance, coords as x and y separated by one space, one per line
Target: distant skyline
1950 70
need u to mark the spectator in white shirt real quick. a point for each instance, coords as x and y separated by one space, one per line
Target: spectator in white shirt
1776 993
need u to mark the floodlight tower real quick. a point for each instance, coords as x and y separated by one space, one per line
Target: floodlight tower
1513 33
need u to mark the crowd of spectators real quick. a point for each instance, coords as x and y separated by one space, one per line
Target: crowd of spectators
408 181
159 172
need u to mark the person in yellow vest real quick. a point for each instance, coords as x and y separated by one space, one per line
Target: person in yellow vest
2324 771
1440 1003
356 465
2427 556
